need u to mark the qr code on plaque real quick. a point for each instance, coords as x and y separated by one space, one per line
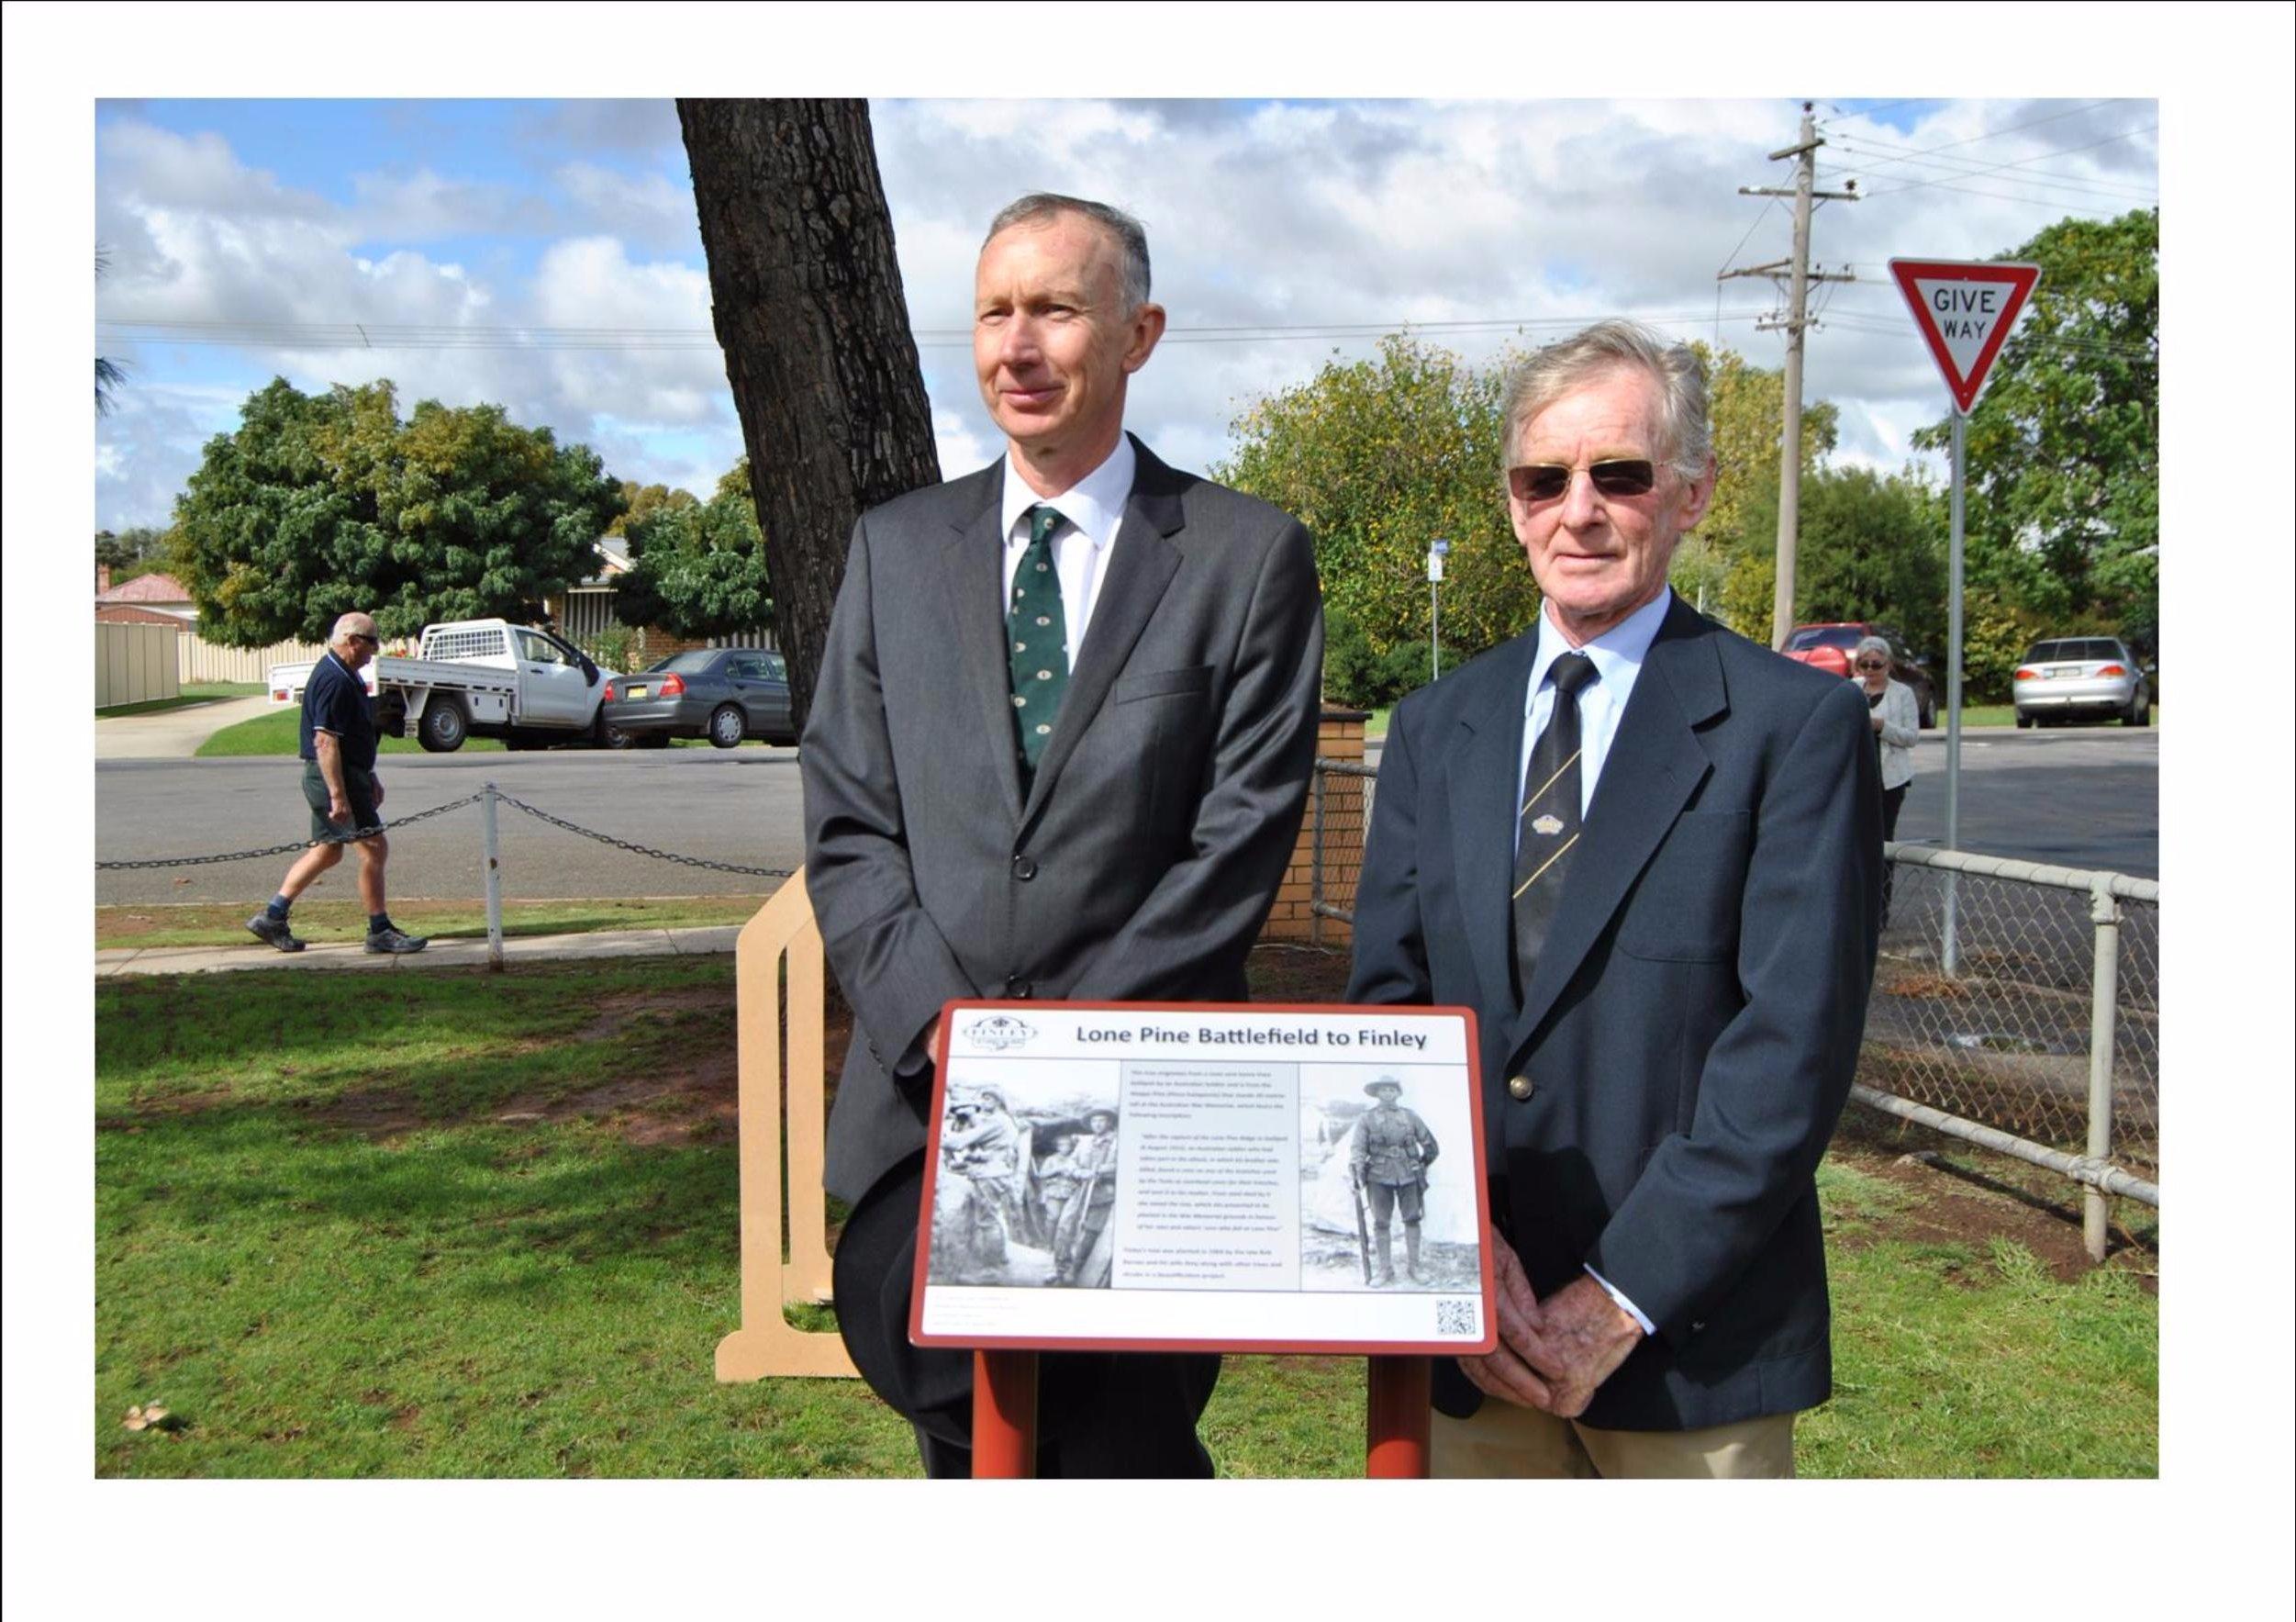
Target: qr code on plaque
1459 1317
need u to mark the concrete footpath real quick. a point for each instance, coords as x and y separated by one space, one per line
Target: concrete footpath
461 952
172 735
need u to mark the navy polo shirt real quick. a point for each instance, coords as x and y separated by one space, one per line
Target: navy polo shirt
335 700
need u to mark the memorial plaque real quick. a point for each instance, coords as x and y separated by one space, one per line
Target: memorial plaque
1215 1177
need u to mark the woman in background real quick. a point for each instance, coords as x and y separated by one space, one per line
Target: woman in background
1897 728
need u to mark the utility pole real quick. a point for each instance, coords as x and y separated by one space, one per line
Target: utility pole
1799 276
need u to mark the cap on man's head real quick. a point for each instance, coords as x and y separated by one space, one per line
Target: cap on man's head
1384 1084
1108 1115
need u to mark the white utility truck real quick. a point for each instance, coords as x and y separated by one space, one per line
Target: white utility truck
481 677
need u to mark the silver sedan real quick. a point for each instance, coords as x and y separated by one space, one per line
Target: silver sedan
722 694
2095 677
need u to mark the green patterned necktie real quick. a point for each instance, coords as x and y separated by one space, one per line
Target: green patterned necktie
1036 631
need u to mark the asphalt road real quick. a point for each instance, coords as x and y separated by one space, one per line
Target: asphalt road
2079 797
734 805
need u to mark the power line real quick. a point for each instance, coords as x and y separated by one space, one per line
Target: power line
1954 169
2108 141
2004 130
354 335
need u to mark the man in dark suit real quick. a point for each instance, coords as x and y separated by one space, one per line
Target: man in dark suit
1647 851
1060 749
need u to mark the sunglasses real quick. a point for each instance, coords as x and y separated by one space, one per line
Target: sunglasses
372 642
1545 481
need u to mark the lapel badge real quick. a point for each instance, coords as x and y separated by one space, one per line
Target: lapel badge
1548 823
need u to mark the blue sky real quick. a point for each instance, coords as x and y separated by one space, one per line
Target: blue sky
319 218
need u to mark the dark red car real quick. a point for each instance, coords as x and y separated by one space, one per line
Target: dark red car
1828 648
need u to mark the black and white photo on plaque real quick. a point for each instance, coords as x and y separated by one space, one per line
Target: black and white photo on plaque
1386 1182
1025 1188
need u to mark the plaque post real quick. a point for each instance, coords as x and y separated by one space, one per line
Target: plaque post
1004 1414
1395 1418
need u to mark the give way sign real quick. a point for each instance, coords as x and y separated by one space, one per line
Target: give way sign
1964 309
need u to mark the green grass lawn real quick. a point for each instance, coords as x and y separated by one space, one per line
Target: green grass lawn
203 693
463 1224
281 733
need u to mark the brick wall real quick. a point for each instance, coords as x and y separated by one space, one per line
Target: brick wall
1341 737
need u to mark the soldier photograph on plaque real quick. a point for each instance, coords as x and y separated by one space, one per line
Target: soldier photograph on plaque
1025 1188
1378 1210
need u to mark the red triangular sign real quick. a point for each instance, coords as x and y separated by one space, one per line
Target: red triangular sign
1964 309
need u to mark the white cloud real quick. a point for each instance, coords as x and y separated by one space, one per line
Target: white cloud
1259 215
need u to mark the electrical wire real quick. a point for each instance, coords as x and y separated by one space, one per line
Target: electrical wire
353 335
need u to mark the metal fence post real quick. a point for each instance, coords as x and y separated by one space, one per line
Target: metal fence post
2103 1000
493 882
1315 870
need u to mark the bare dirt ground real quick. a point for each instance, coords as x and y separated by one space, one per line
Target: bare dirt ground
685 1093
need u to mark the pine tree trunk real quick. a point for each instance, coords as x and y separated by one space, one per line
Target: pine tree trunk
807 300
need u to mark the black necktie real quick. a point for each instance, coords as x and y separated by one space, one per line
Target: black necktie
1036 635
1548 817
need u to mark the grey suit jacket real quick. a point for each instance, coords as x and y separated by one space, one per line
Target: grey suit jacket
1144 858
1687 1038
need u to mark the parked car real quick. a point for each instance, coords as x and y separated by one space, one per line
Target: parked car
2073 677
722 694
484 678
1827 647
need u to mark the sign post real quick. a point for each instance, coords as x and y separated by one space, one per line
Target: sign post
1435 553
1964 310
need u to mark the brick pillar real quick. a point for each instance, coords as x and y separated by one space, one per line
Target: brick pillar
1340 738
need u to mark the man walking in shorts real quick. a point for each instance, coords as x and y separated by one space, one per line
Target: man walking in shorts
339 781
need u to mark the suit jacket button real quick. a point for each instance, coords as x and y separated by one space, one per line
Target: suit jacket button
1016 987
1520 1087
1024 868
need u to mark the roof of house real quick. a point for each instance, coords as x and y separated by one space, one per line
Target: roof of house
147 589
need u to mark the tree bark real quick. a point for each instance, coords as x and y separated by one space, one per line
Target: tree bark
806 297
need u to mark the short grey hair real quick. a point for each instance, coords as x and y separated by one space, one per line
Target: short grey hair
1872 645
1686 436
354 623
1130 237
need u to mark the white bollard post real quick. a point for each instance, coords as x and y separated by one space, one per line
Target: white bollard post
494 885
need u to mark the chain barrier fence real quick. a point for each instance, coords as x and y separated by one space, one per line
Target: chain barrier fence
2016 1006
487 798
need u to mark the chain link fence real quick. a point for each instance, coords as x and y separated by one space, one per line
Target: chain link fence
2015 1006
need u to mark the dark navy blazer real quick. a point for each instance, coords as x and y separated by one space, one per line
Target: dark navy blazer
1692 1025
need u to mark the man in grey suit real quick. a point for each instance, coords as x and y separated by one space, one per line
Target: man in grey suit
1648 853
1060 749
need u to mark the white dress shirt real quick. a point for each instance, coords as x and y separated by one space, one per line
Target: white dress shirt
1618 654
1094 509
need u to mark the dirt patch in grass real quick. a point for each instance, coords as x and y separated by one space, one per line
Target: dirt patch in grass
1960 1196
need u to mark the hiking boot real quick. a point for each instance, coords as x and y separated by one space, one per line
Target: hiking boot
395 941
273 932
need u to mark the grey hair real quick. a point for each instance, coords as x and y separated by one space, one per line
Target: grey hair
357 623
1872 645
1130 237
1687 437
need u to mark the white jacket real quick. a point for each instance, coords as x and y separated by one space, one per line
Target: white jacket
1900 730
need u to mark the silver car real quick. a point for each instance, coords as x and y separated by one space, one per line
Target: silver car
2093 677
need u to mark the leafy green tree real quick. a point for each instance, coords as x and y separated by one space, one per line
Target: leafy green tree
1379 458
320 504
1872 547
2062 507
697 568
640 502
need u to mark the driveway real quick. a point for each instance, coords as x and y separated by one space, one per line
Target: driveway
172 735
